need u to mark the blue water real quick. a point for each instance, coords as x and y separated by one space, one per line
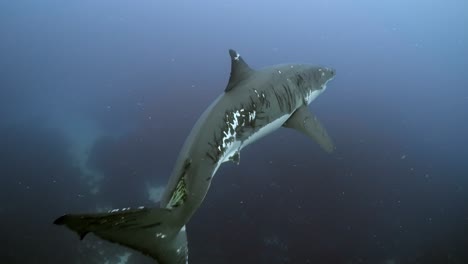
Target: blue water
97 97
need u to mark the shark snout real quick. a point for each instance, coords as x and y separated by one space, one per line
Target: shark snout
327 75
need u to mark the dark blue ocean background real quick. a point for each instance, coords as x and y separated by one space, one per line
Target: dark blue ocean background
97 97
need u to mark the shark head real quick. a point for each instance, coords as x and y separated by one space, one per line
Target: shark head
315 79
324 75
318 76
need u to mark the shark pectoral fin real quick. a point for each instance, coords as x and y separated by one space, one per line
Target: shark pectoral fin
306 122
150 231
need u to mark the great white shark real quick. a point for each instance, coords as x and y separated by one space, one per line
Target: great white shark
254 104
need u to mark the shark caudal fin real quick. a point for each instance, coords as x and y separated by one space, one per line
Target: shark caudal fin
148 230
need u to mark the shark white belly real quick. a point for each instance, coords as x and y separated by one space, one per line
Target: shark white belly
237 146
274 125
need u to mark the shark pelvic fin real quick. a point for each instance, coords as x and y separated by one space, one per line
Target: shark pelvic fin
148 230
235 158
307 123
239 70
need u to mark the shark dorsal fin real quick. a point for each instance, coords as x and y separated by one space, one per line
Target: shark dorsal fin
239 70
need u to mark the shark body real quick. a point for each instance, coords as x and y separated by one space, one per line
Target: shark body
254 104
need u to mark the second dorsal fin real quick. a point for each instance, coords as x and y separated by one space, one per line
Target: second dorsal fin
239 70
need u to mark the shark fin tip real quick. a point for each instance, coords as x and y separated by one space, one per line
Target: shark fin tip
232 52
61 220
82 235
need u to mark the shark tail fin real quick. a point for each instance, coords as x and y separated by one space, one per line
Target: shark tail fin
150 231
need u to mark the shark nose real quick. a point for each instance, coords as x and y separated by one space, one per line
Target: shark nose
332 71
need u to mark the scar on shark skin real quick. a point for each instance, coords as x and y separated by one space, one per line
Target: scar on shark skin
235 123
180 194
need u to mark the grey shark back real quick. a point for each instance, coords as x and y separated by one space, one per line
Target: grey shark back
254 104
